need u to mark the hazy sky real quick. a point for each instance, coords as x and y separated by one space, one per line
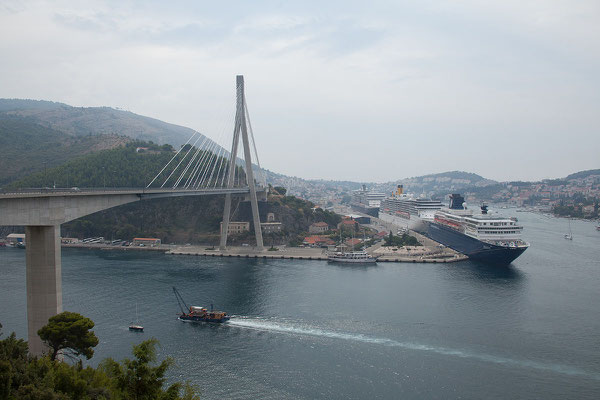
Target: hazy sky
363 91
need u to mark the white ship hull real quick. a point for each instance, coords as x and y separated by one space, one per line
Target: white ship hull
411 222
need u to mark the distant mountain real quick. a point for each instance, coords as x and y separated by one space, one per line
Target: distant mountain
86 121
583 174
437 184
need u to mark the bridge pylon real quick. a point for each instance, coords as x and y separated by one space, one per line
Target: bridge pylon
241 128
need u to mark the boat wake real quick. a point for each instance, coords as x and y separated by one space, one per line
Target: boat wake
305 330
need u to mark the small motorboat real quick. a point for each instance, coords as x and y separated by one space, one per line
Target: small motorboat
136 328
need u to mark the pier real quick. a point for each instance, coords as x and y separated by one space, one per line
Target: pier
297 253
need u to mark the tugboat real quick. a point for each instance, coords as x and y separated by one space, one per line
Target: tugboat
198 314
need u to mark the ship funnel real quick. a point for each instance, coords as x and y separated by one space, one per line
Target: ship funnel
400 189
484 208
457 202
364 188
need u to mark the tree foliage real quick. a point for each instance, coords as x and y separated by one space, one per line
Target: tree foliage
121 167
399 241
280 190
32 378
45 148
70 332
139 379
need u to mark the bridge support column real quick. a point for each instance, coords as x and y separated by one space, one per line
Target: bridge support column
44 285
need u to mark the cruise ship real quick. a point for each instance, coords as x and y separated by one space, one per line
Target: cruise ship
407 211
366 201
481 236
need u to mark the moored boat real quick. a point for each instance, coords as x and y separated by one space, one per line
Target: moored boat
352 257
136 327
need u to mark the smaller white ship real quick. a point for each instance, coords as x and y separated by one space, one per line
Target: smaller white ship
354 257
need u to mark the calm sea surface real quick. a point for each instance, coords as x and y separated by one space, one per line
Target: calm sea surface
311 330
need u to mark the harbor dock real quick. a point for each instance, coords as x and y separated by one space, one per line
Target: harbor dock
427 256
430 252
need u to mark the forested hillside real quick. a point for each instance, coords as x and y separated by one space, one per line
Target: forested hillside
118 167
28 147
86 121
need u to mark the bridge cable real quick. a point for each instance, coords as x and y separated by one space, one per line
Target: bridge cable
222 161
204 161
217 159
190 151
209 162
207 156
260 171
187 166
180 161
176 154
201 162
198 168
193 173
217 162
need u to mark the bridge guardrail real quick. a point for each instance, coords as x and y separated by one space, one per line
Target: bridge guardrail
47 190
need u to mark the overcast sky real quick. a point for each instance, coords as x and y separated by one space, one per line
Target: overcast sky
354 90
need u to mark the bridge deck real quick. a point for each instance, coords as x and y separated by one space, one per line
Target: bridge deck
142 192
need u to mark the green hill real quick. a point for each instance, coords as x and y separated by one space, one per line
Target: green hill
86 121
28 147
119 167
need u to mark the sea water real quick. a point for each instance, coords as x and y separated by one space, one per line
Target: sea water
313 330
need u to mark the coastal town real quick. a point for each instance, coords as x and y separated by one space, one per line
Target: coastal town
576 195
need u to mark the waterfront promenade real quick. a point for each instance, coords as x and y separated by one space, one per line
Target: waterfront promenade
421 254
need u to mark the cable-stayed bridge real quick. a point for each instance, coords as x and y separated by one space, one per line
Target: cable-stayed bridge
201 167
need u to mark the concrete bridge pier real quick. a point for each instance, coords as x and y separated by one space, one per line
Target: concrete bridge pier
44 284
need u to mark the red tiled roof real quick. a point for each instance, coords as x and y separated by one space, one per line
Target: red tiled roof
320 224
318 239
